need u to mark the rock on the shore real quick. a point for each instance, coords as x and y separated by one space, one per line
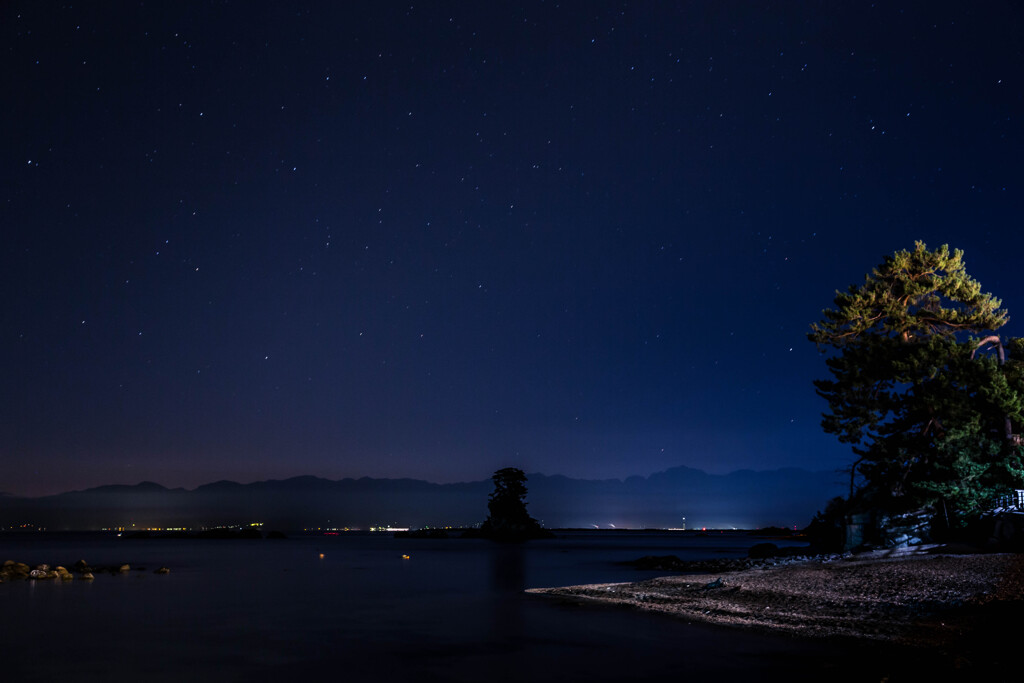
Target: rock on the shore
762 550
12 570
1007 530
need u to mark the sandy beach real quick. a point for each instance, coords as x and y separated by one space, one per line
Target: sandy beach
928 597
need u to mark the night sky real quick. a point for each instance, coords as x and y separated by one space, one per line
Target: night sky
252 240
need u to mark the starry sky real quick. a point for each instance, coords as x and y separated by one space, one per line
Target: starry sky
253 240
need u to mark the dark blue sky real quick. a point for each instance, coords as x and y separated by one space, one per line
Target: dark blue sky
255 240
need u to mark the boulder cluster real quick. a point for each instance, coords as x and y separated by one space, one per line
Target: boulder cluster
15 571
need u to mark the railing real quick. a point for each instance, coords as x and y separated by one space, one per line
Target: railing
1012 499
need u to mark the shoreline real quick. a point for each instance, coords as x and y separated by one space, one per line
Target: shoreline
925 597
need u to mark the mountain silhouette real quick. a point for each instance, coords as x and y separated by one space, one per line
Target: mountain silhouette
668 499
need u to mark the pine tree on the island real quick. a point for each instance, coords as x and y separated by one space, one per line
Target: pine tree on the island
508 519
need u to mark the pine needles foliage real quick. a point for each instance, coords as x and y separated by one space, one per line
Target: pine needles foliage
915 389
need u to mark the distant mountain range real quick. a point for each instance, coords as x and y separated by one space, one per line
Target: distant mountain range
670 499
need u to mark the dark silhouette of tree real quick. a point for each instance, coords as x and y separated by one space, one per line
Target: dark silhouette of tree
929 419
508 519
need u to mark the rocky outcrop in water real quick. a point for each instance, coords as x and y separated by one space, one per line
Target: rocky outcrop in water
20 571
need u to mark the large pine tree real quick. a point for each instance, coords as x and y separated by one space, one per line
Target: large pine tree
927 408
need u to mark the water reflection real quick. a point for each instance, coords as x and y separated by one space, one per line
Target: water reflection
508 581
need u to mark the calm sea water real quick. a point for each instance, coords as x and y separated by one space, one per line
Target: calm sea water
351 607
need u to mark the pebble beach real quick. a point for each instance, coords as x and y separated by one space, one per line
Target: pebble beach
924 597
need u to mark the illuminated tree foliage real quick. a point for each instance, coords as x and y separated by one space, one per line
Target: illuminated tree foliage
920 386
